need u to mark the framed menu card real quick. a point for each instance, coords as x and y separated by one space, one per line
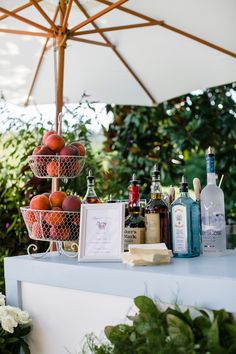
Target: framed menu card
101 232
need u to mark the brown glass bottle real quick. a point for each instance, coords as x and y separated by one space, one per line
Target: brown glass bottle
157 214
91 196
134 223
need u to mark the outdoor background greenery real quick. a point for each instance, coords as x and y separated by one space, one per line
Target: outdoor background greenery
175 134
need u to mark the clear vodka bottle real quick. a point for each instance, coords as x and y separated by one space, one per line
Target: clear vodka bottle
212 212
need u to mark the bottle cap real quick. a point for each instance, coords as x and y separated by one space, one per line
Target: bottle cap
183 185
134 180
210 151
156 172
90 177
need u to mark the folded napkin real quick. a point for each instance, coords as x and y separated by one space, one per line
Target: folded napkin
147 254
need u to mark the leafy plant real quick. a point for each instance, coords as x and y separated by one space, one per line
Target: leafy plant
156 331
17 183
175 134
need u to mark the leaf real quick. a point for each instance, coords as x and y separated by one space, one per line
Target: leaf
180 332
24 331
213 341
12 340
25 347
146 305
231 330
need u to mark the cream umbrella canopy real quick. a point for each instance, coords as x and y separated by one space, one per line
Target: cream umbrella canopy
125 51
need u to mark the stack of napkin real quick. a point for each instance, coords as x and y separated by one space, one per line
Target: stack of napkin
147 254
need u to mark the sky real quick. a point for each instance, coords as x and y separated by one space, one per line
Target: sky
98 118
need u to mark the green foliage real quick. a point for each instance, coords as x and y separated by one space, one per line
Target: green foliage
17 183
154 331
12 343
175 134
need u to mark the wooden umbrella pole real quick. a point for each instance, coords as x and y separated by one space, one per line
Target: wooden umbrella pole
61 45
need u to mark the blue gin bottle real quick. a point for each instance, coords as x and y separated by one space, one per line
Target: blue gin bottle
185 224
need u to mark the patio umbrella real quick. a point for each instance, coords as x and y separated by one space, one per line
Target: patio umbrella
125 52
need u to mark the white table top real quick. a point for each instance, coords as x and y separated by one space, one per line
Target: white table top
209 282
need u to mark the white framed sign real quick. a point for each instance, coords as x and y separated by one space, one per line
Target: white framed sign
101 232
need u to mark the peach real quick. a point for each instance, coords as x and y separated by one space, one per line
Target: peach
55 142
37 230
56 198
80 147
42 150
71 203
76 168
69 150
54 217
53 169
40 202
29 217
46 229
46 134
59 233
76 220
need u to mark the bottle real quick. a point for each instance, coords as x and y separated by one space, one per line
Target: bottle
157 214
90 196
185 224
197 189
212 212
134 222
171 193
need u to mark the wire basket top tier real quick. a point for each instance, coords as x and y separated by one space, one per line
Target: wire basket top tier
51 166
51 225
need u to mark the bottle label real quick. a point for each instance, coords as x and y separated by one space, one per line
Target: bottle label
213 233
133 235
152 222
179 229
210 164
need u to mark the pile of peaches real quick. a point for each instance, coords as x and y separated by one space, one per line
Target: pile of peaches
55 159
53 216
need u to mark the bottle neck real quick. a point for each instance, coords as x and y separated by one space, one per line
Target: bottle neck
156 190
134 200
210 169
211 178
184 194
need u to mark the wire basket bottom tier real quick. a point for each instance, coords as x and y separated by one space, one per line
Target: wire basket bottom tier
49 166
52 225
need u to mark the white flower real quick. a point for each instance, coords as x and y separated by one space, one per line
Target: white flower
11 317
8 323
2 299
21 317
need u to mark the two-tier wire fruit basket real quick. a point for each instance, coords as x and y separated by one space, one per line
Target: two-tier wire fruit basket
55 225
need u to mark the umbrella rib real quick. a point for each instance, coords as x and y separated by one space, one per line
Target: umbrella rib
27 33
89 41
200 40
173 29
43 13
116 28
40 61
18 9
97 15
130 70
25 20
67 14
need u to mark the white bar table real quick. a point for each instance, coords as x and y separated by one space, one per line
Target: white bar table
67 299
